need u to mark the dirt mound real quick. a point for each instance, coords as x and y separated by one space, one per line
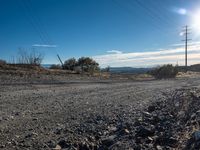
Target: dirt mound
21 68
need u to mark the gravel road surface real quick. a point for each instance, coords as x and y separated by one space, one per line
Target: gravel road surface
76 114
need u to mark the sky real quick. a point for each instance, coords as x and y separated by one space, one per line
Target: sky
116 33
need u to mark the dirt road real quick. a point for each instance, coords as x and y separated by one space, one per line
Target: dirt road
40 114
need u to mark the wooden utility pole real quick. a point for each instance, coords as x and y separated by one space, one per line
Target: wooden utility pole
60 61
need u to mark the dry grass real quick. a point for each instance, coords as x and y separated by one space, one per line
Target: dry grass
27 69
188 74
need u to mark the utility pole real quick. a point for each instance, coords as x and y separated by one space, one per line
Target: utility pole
60 61
185 31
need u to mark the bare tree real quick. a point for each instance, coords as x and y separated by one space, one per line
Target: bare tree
32 57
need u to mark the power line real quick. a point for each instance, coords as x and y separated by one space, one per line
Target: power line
39 22
156 18
29 19
154 24
150 12
35 22
154 21
155 15
128 10
156 5
42 27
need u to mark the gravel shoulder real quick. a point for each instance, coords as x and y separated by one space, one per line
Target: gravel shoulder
56 112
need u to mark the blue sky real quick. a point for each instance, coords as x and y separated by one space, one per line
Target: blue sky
138 33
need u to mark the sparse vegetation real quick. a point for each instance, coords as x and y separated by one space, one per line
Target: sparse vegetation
106 69
29 57
2 62
88 64
55 67
70 64
165 71
84 64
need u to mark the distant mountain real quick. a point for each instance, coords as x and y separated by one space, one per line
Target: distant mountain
118 69
129 70
46 65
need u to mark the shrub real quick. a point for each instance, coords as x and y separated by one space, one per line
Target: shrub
88 64
55 67
84 64
2 62
70 64
164 72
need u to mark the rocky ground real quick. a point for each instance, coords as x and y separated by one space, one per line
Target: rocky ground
77 113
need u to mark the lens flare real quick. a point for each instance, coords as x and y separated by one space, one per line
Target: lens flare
196 22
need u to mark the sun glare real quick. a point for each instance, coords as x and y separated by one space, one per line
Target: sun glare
196 22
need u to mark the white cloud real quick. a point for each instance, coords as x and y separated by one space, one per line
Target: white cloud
148 59
115 52
182 44
180 11
44 46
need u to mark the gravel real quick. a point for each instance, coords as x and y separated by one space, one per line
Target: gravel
58 112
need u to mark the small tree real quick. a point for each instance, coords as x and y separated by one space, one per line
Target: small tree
70 64
88 64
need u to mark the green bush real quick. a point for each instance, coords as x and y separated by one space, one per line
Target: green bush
164 72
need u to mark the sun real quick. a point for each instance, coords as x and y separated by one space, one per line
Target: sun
196 22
